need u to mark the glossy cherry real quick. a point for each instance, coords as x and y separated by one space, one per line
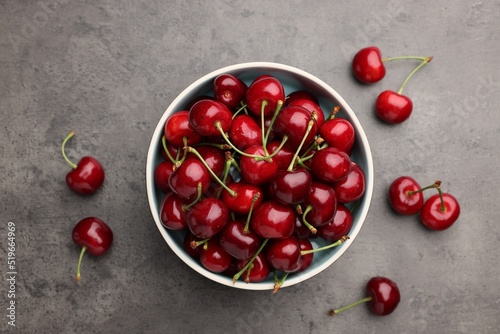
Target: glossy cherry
207 217
210 117
87 176
320 205
352 187
382 296
338 226
264 95
440 211
186 179
330 164
394 107
245 132
239 241
291 187
283 156
284 254
405 196
179 132
213 257
368 66
273 220
339 133
229 90
94 236
244 196
162 173
293 122
312 107
257 170
300 95
172 213
258 271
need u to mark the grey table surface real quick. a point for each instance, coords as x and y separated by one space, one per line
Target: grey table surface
109 69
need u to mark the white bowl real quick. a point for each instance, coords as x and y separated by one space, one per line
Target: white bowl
292 79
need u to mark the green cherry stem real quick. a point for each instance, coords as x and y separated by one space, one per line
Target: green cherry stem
68 137
199 189
304 220
342 309
273 119
443 207
262 127
333 113
335 244
436 184
249 216
403 58
214 176
424 61
164 144
309 128
84 248
279 283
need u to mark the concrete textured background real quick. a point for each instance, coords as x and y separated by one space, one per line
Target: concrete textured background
108 70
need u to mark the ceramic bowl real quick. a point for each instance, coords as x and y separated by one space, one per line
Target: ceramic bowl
292 79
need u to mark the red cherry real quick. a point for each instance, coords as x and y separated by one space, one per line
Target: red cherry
283 157
312 107
87 176
186 179
94 236
383 297
338 133
273 220
257 272
210 117
213 156
177 129
188 242
245 196
305 245
339 226
245 132
229 90
290 187
264 95
352 187
239 241
293 122
207 217
392 107
440 211
320 205
214 258
162 173
257 170
330 164
284 254
405 196
368 66
172 213
300 95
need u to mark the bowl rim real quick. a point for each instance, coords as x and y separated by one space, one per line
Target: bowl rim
153 151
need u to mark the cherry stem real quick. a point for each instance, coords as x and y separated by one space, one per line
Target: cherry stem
443 207
334 112
239 273
304 220
279 284
262 127
425 60
226 138
342 309
164 144
309 128
436 185
227 166
243 107
186 207
249 270
276 151
247 224
84 248
404 57
68 137
195 243
215 177
279 104
335 244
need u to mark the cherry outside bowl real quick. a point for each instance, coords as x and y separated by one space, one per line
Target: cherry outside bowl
292 79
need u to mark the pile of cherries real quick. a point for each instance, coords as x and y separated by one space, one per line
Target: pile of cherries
251 175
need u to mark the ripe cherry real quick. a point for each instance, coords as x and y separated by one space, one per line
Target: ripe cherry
337 227
383 297
440 211
293 122
352 187
264 96
368 66
330 164
284 254
177 130
172 213
162 173
338 132
190 175
245 132
394 107
210 117
229 90
291 187
273 220
258 271
94 236
245 197
405 196
257 170
320 205
213 257
239 241
207 217
87 176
